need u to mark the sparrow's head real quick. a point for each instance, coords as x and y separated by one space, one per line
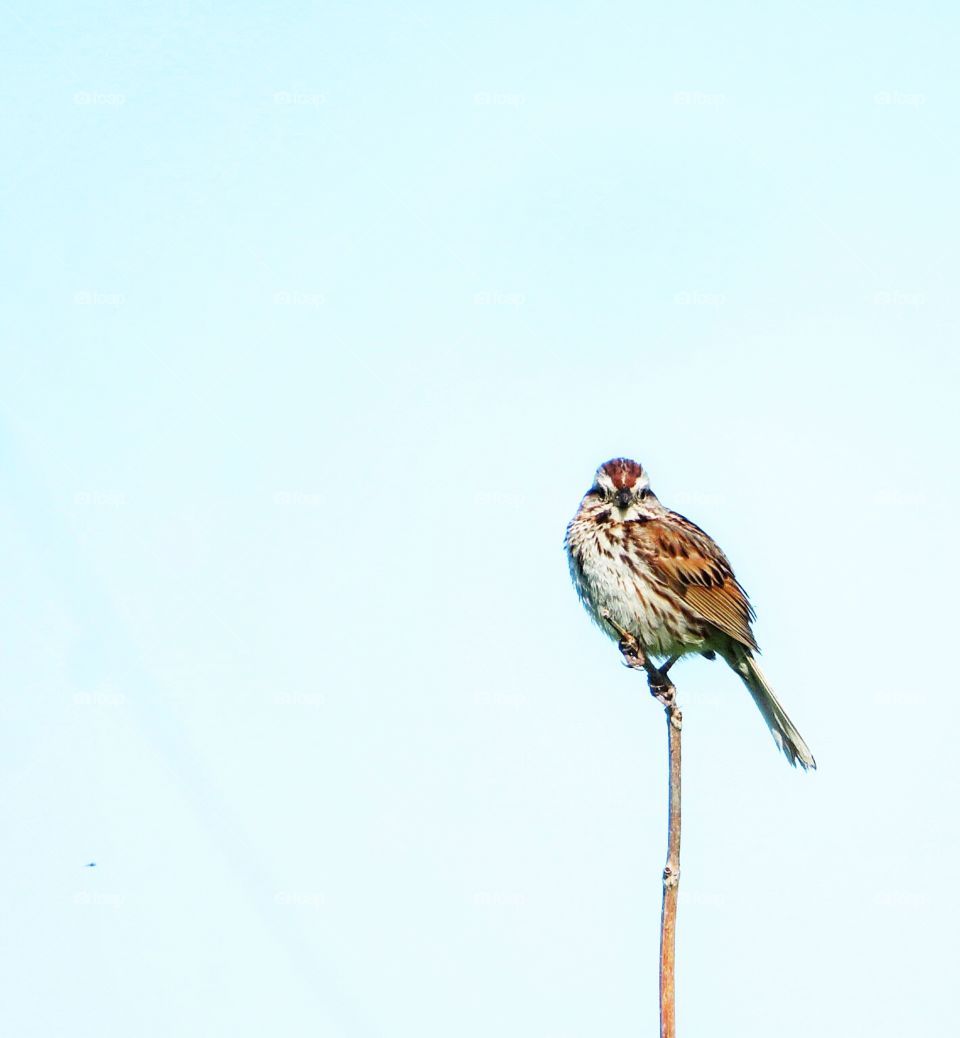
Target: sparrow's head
623 484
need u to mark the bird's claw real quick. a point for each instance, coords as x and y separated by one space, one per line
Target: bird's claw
628 647
628 644
660 690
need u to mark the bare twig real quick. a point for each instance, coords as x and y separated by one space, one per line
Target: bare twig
671 874
663 689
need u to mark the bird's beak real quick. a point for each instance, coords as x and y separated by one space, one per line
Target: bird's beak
623 498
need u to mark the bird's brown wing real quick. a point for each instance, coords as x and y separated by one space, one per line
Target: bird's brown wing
688 561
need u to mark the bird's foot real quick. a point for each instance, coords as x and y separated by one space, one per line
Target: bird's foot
633 655
661 688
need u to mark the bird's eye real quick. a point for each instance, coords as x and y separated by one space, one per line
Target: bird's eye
645 493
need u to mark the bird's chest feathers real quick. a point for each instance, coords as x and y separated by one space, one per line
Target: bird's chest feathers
613 576
603 561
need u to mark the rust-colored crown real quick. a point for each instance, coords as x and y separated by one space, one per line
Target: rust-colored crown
622 472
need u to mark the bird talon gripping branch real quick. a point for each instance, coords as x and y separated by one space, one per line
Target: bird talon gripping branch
631 650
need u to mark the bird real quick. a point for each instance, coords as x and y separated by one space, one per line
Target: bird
649 573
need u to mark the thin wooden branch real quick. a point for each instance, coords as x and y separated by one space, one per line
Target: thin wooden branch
671 875
663 689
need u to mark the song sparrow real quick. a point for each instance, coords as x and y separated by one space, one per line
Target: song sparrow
642 569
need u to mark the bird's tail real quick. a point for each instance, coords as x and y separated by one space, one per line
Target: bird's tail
784 733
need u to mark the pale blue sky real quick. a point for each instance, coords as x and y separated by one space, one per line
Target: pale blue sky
317 320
